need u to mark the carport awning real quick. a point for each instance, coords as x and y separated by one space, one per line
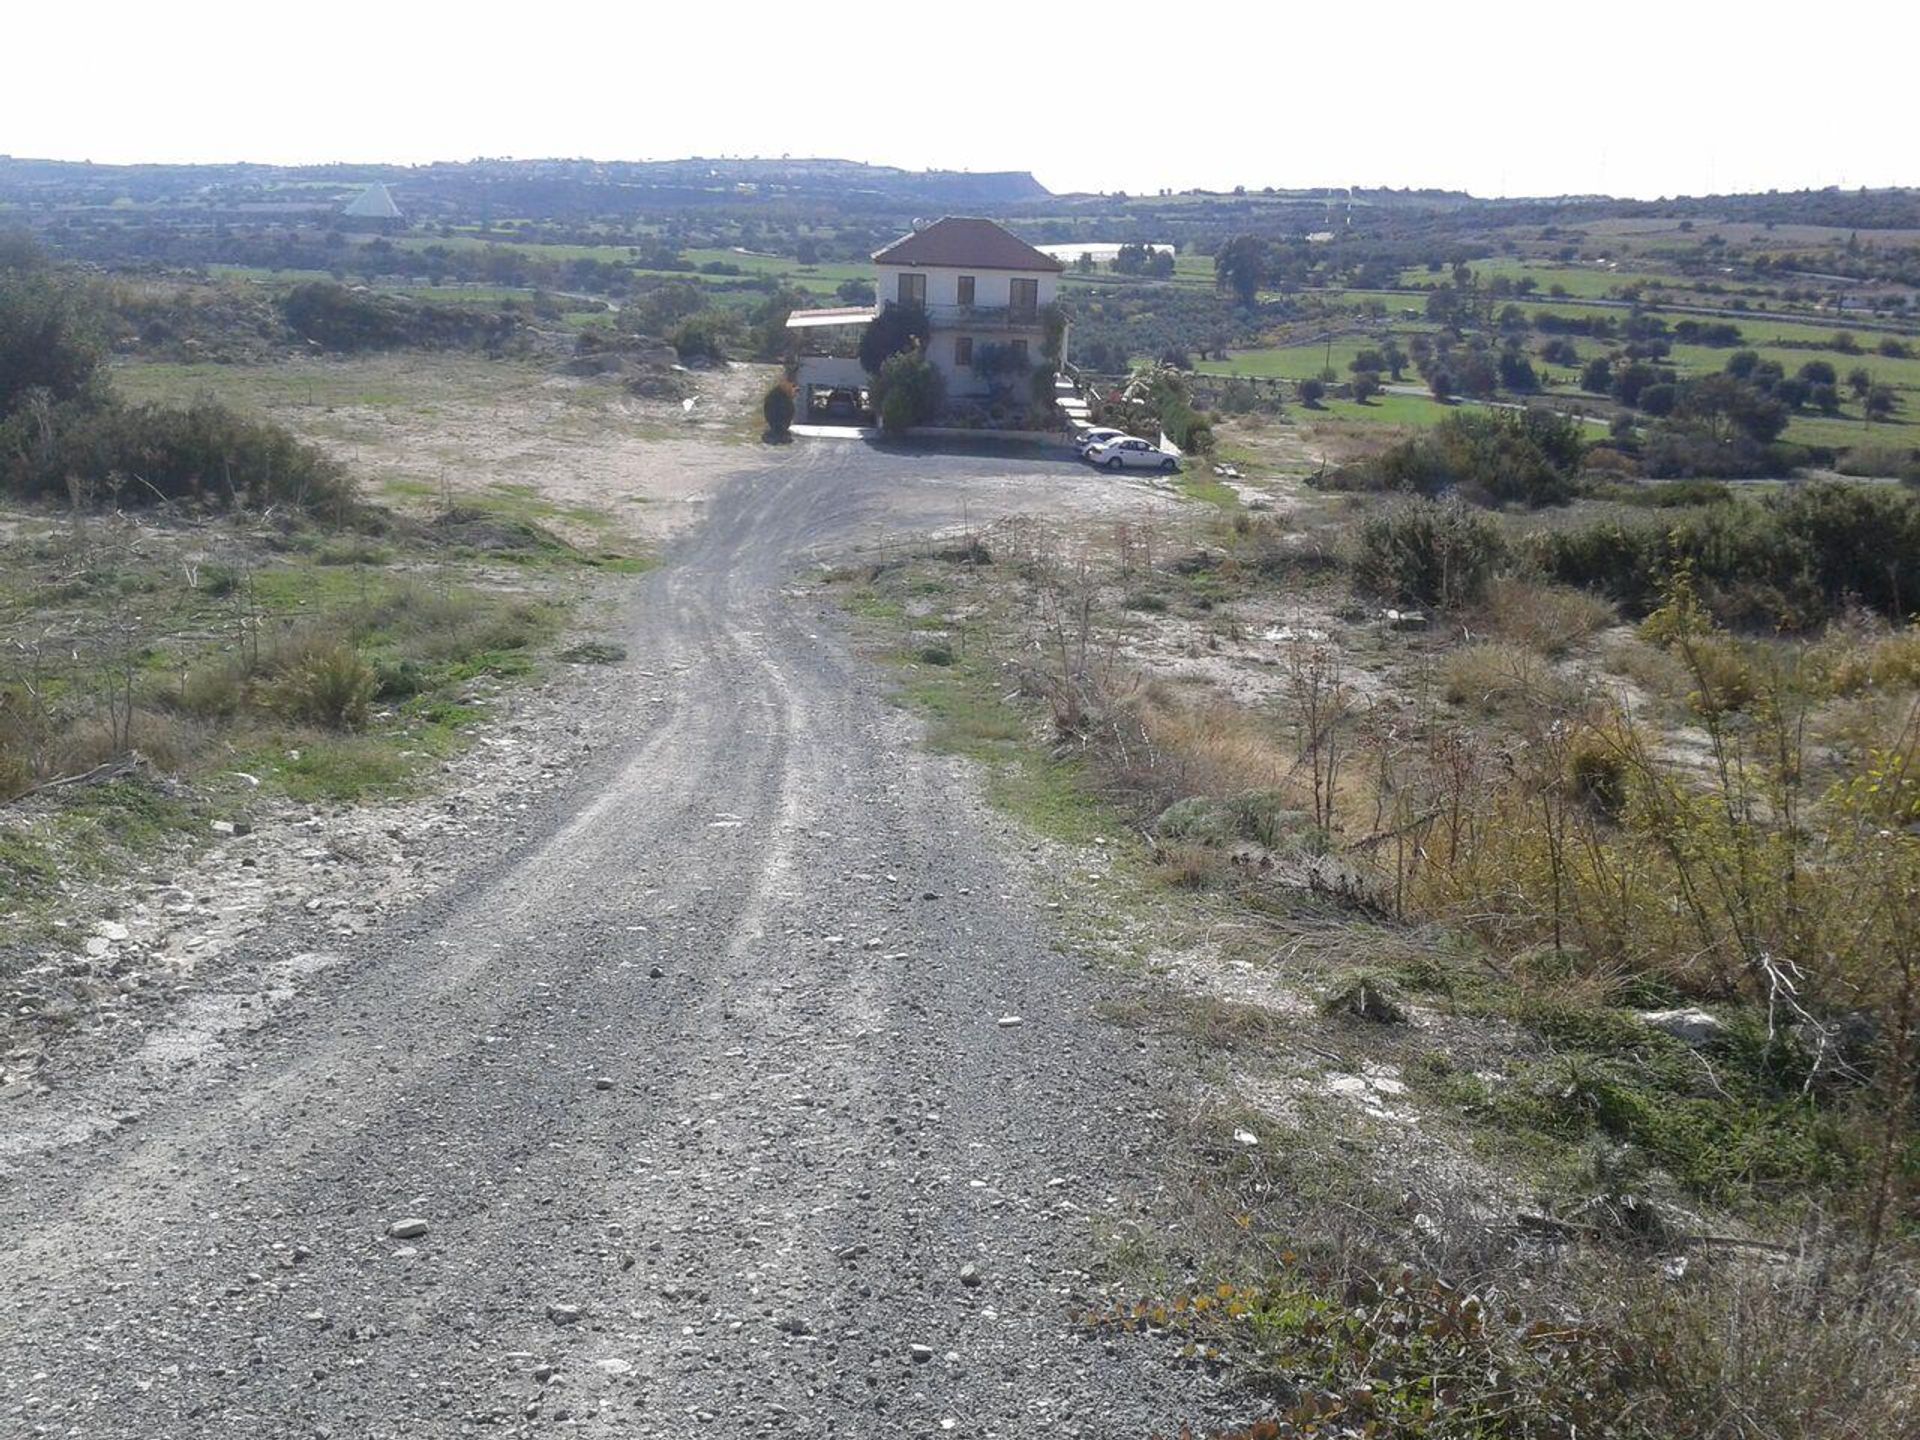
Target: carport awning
813 319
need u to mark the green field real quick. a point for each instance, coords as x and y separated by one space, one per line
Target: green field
1703 359
1306 361
1293 362
611 254
781 267
1579 281
1416 410
1408 312
816 279
1848 430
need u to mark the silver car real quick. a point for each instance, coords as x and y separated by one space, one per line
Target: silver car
1130 452
1100 435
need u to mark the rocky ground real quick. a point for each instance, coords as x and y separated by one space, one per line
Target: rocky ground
700 1057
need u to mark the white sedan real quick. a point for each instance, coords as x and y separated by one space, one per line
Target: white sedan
1130 452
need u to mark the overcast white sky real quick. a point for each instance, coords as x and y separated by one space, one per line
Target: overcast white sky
1499 98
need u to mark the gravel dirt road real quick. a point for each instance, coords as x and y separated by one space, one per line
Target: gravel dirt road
738 1089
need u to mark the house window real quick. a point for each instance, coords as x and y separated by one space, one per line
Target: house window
966 289
913 290
1023 297
1019 348
963 350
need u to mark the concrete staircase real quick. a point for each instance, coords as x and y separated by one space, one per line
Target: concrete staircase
1068 397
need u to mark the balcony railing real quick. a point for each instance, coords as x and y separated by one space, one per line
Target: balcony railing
981 317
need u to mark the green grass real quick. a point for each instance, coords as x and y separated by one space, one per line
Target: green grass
820 278
1588 281
1194 269
1308 360
427 643
783 267
1752 1137
390 761
967 716
1758 332
1416 410
525 502
1901 374
259 388
1846 432
1291 362
1566 309
611 254
95 832
341 769
1196 485
1407 312
968 713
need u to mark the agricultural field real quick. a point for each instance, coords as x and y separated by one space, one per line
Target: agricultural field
1580 282
1292 362
1333 345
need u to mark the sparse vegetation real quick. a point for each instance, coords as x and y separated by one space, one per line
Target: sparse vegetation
210 664
1621 824
1527 848
64 433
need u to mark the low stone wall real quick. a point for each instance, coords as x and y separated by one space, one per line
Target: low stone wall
960 432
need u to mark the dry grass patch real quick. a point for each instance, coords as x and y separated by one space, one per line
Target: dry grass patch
1186 866
1220 1024
1856 658
1549 620
1495 678
1214 747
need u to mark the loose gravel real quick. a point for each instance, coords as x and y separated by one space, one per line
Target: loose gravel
736 1084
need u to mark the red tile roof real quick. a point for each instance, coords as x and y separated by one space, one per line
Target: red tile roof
966 242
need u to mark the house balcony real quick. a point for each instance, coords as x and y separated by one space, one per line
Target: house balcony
983 318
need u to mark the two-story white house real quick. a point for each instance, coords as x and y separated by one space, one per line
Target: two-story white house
979 285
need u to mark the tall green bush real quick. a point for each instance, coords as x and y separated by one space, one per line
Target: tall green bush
777 408
46 347
1427 552
1510 457
908 391
139 454
62 429
896 330
1789 559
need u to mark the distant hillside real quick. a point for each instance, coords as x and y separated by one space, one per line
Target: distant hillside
551 187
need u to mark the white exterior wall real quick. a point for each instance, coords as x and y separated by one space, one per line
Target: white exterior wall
992 289
960 380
